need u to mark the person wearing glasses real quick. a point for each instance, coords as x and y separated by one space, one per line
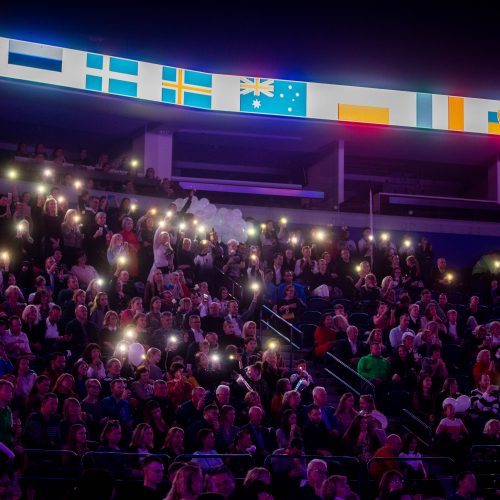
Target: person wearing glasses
392 480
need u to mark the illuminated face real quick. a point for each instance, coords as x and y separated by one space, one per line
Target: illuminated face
101 218
251 329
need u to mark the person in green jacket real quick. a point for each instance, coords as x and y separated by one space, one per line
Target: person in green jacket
6 428
374 367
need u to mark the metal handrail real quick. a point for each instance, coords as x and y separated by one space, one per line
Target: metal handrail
405 459
234 284
188 456
352 372
421 423
342 381
286 324
485 446
308 458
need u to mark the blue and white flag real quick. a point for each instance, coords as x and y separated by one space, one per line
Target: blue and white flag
35 55
275 97
112 74
186 87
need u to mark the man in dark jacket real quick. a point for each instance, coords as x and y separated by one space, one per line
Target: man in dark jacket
42 427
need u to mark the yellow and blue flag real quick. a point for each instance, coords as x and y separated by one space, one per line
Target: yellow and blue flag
494 122
118 76
275 97
186 87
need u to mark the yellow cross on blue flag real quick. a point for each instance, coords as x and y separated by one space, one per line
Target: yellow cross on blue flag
276 97
186 87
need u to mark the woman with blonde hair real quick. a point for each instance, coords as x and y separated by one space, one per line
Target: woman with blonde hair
99 308
50 226
387 292
249 329
174 442
491 432
108 335
257 474
24 244
117 248
163 252
30 320
92 290
187 483
155 285
483 365
72 235
345 412
130 239
142 439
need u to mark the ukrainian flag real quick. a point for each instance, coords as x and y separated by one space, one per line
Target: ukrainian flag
493 122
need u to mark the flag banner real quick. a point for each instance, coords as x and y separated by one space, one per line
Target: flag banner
275 97
112 74
493 122
186 87
363 114
76 69
35 55
424 110
455 113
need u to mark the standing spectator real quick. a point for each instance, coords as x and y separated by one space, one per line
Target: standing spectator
51 226
6 428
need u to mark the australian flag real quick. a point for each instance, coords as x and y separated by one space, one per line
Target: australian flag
275 97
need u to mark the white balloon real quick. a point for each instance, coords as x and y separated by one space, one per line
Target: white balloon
463 403
210 211
136 353
450 401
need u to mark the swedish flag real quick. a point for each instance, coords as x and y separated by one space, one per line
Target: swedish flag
186 87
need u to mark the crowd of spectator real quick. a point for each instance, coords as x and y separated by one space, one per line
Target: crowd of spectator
121 331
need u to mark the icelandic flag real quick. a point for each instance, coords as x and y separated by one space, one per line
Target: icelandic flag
275 97
35 55
112 74
186 87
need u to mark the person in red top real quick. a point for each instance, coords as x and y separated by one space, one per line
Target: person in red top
391 449
130 237
179 389
324 336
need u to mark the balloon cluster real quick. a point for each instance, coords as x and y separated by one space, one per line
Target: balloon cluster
229 224
461 404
